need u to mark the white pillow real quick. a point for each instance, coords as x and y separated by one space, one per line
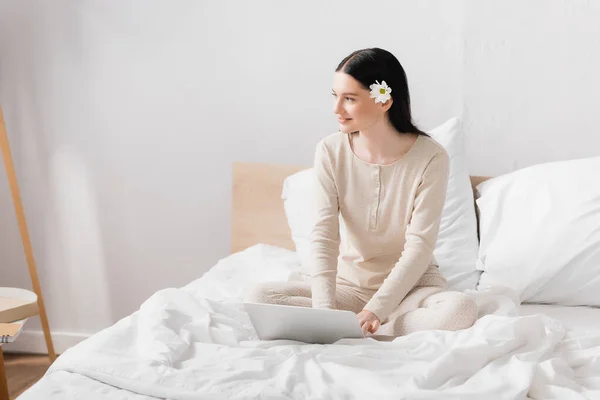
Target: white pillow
301 214
540 232
297 195
456 248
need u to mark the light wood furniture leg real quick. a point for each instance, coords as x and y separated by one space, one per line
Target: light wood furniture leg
3 383
16 197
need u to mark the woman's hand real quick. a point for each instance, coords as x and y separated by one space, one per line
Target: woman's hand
368 321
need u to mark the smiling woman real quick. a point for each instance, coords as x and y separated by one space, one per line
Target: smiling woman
388 180
355 78
378 123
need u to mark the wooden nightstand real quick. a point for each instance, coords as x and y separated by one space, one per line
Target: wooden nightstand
16 197
16 306
3 383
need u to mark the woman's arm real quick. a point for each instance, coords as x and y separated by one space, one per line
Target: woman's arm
325 238
421 236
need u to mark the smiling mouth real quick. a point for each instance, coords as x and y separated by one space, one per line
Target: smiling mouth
342 120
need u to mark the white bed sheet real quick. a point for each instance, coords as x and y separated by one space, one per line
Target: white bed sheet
580 319
197 343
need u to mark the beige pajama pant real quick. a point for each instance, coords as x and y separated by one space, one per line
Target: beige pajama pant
423 308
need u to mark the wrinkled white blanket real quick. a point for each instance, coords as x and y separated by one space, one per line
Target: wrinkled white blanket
197 343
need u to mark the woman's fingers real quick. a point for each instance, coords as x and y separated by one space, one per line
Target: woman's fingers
369 326
372 326
364 326
368 323
376 324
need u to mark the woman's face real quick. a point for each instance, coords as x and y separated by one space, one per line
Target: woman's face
353 106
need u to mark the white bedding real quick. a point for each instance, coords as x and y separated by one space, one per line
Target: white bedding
576 319
197 343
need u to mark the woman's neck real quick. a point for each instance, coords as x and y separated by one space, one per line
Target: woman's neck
382 145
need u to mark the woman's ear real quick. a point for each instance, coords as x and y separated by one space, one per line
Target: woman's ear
387 105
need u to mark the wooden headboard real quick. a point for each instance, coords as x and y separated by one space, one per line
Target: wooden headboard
257 214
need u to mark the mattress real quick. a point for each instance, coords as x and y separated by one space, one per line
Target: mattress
196 342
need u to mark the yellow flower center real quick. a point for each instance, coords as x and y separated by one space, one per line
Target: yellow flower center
382 91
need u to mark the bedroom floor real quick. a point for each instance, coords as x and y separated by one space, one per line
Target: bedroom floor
23 370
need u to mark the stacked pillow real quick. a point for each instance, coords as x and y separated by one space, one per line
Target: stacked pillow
456 248
540 233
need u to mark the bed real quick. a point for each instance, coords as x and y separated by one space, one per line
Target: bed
196 342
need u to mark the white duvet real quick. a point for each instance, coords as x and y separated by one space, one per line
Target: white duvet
197 343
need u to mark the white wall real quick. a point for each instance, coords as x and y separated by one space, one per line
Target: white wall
124 119
532 92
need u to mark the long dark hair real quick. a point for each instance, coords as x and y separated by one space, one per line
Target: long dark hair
375 64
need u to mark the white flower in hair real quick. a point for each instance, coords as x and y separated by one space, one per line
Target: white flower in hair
380 91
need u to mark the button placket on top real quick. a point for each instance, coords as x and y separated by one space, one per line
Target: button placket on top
376 197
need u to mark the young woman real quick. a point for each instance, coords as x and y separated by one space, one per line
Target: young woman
388 181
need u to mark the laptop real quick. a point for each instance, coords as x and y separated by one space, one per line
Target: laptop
304 324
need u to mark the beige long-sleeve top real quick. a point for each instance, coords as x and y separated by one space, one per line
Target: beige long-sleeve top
391 215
